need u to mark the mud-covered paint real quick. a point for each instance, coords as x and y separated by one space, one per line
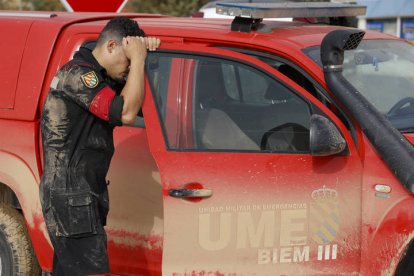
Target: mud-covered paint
402 246
135 220
262 215
287 42
136 254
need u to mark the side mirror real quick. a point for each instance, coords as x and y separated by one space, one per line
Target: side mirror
325 138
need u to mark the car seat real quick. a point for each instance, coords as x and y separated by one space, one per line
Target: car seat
214 127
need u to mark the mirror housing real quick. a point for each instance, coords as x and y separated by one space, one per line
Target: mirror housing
325 138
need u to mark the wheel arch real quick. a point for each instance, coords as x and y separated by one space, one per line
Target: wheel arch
8 197
406 263
19 188
391 238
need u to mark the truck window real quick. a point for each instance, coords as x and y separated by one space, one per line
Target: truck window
11 53
305 81
288 70
234 107
383 72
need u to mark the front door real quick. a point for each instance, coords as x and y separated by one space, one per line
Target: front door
242 194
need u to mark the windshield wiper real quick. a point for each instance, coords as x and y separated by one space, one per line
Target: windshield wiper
407 130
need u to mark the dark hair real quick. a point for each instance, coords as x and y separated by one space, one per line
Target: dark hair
118 28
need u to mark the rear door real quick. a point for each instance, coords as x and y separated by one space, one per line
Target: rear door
12 45
241 193
135 220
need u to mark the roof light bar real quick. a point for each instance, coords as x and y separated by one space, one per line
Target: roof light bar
289 9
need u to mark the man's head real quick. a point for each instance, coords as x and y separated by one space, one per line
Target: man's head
109 51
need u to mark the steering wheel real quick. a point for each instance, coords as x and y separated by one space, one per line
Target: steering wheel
394 110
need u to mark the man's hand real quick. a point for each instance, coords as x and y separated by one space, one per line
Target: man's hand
152 43
134 48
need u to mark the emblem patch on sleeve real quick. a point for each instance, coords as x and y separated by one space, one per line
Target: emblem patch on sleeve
90 79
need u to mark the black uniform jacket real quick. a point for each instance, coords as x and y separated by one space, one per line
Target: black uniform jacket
77 122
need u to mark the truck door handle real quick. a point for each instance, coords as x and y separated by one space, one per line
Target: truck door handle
190 193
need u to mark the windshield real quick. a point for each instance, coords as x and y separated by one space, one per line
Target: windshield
383 71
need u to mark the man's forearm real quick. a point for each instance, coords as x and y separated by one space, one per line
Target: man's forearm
133 92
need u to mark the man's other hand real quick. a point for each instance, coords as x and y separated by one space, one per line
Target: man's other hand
152 43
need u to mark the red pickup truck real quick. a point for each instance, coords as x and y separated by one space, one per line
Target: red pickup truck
266 148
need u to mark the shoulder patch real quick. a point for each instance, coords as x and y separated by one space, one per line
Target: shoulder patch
90 79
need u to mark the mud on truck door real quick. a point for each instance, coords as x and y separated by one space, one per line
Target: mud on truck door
241 191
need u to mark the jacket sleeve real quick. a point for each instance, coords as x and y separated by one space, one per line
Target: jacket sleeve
86 88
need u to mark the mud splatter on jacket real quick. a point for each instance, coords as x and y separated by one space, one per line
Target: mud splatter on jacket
79 114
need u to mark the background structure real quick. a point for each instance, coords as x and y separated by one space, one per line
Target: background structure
395 17
168 7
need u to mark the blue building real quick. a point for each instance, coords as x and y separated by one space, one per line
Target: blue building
394 17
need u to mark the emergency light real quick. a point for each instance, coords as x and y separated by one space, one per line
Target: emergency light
248 16
290 9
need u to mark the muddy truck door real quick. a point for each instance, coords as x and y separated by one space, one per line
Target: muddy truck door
249 182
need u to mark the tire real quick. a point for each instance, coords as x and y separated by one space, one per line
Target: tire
406 265
17 257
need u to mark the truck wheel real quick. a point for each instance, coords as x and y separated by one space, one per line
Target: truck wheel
17 257
406 265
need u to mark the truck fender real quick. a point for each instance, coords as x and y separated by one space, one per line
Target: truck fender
391 239
18 176
406 264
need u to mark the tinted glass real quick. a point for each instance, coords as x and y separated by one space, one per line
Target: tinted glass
234 107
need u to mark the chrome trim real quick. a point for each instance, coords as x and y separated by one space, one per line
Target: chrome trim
190 193
383 188
330 68
21 14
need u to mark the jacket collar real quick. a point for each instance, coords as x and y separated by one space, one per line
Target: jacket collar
85 53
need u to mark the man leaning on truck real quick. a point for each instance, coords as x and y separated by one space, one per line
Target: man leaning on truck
90 95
